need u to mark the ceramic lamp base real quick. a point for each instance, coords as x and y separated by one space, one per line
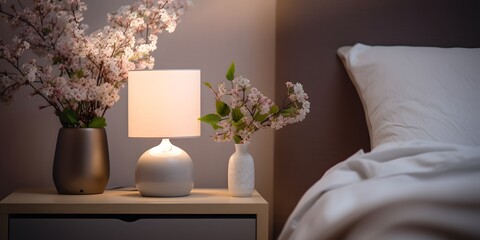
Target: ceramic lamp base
164 171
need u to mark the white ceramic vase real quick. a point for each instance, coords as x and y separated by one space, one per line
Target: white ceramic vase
241 172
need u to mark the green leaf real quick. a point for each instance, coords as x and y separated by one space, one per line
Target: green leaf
207 84
79 73
237 139
231 72
68 118
273 109
56 60
63 119
260 117
288 112
46 31
222 108
98 122
211 119
240 125
237 114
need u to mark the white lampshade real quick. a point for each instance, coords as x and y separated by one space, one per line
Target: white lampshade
164 103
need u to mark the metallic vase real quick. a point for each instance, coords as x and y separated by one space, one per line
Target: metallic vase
81 164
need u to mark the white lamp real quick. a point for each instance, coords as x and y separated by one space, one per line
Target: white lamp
164 104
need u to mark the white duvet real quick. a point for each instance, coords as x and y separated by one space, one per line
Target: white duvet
408 190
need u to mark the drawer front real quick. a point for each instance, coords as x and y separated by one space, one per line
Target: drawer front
90 227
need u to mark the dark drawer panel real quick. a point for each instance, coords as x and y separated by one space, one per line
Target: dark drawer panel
145 227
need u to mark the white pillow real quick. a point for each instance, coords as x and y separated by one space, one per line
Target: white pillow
422 93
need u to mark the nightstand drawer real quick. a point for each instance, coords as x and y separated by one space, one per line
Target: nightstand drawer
131 226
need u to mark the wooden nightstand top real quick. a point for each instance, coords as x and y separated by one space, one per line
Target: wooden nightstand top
200 201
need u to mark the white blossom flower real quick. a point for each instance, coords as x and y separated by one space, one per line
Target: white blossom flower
221 89
251 111
82 70
299 93
242 82
31 70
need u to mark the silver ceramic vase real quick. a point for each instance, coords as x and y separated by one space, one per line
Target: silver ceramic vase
81 164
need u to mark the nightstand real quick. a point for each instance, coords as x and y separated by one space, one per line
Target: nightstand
204 214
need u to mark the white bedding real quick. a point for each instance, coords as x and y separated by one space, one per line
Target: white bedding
406 190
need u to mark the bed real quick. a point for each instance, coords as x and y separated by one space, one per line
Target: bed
327 168
421 180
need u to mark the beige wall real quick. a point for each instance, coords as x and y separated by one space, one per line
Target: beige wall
212 34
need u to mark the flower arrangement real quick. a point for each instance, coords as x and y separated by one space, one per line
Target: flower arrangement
80 74
248 110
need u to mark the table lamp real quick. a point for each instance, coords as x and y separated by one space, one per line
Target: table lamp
164 104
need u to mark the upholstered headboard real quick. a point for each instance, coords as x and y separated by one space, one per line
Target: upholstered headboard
309 32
